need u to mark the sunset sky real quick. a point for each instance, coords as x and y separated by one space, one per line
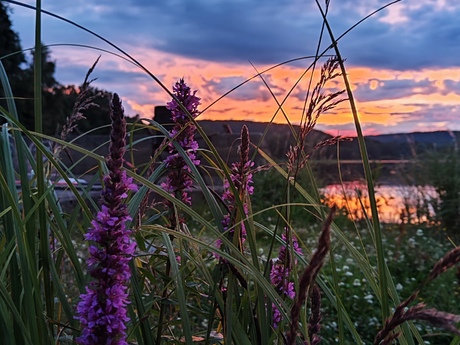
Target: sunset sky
403 63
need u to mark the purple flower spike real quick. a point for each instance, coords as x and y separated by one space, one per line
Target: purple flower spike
178 179
102 309
279 274
241 176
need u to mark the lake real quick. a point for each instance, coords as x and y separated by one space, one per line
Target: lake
411 204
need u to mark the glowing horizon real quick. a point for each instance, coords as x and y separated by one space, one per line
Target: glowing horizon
381 110
401 66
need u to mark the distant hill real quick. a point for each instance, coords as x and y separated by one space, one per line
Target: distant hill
278 137
406 145
439 138
385 146
235 126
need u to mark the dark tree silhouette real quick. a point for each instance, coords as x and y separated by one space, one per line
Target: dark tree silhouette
58 100
11 54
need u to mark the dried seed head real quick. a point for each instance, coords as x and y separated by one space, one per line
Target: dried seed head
437 318
309 276
84 101
331 141
446 321
314 325
244 147
402 314
449 260
318 103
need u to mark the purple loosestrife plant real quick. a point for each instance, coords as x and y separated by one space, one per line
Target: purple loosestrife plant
241 176
178 179
102 309
280 271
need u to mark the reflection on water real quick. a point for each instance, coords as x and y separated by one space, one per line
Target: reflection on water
396 204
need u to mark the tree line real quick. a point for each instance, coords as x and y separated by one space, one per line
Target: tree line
58 99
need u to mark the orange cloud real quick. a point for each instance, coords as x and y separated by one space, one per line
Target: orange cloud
253 100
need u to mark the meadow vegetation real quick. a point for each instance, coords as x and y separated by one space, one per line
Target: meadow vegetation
260 258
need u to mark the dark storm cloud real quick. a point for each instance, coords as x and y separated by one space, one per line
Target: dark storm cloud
274 31
393 89
249 91
429 39
103 74
232 31
434 113
451 86
271 31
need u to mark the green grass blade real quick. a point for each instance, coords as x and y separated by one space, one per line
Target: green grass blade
40 147
331 294
44 253
368 175
180 292
455 341
11 221
141 309
26 282
63 233
9 306
384 279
